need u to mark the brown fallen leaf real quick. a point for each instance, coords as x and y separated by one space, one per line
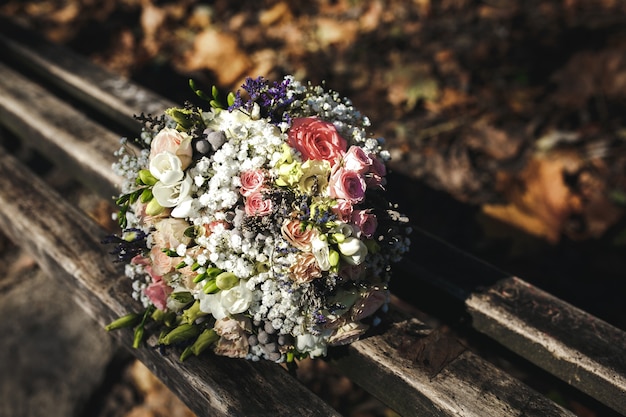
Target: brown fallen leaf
218 52
556 194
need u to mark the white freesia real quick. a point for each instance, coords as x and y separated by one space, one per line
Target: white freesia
321 252
183 209
167 168
171 195
212 304
353 250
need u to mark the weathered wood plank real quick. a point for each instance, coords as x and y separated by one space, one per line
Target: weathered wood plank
59 131
575 346
67 244
81 79
113 96
426 372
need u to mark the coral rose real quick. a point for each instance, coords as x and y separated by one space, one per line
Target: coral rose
305 269
316 139
298 235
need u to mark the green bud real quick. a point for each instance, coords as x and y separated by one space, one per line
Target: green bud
169 252
130 236
154 208
146 177
213 272
199 277
168 318
339 237
230 99
181 333
210 273
129 320
184 117
146 195
206 339
191 314
226 280
184 297
138 336
210 287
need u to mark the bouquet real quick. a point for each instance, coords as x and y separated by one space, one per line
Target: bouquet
258 229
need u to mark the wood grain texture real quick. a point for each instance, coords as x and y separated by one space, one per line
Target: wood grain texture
579 348
115 97
58 131
420 371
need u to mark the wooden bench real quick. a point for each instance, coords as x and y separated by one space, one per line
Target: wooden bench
74 113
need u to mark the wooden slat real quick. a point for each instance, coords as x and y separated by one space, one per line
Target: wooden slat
58 131
67 244
113 96
575 346
464 384
419 371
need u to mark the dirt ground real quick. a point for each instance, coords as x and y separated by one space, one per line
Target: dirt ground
508 117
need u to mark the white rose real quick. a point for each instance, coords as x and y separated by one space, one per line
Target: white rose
353 250
171 195
167 168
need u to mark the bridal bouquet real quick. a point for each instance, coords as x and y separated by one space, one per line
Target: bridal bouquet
259 228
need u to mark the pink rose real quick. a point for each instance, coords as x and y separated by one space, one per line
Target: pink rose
172 141
251 181
257 205
369 303
161 262
347 185
365 221
316 139
343 210
299 236
158 292
357 160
